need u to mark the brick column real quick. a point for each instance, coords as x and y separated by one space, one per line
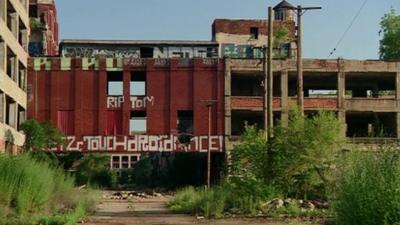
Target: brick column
284 98
341 92
126 106
102 96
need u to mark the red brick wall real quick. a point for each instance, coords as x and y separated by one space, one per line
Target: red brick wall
84 91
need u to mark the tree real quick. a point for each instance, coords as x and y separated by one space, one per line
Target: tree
40 136
390 44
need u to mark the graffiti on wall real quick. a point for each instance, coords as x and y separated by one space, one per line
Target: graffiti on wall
141 143
137 102
89 52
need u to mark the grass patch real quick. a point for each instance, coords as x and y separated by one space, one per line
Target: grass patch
32 191
369 190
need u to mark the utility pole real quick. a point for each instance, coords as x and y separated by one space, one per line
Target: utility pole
270 74
209 104
300 91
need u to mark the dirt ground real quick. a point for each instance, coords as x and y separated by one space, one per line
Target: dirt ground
152 211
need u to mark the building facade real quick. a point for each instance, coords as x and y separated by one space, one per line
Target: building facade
14 32
129 106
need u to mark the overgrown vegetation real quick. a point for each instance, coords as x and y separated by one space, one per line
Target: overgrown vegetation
369 189
32 191
92 170
40 136
299 162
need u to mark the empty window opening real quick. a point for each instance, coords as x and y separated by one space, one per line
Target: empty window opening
247 86
115 84
370 124
370 85
185 126
11 58
11 112
22 77
33 11
21 117
138 83
10 16
138 122
147 52
241 118
254 32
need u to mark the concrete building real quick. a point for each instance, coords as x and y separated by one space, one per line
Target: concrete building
14 32
44 28
364 94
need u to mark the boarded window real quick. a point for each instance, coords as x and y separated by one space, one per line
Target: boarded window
65 122
114 122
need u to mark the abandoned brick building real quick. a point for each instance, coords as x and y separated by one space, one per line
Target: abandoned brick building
125 98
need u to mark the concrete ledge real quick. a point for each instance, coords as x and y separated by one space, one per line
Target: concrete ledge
8 86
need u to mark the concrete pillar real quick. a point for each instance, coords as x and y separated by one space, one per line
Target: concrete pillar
13 115
227 98
2 107
398 88
398 124
398 103
284 98
341 93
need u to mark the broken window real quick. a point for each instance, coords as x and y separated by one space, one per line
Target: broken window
138 83
33 11
254 33
125 162
115 84
146 52
115 162
138 122
134 159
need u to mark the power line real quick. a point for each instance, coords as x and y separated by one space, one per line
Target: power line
348 28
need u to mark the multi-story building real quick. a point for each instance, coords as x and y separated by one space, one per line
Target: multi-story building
14 32
128 98
125 98
44 28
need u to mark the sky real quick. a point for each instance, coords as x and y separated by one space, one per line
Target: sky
192 19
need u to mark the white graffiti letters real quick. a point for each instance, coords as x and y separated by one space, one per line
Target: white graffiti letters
137 102
142 143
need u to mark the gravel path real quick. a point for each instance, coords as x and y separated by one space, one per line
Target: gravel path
152 211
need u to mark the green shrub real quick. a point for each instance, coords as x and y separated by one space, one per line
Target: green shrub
93 171
369 190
